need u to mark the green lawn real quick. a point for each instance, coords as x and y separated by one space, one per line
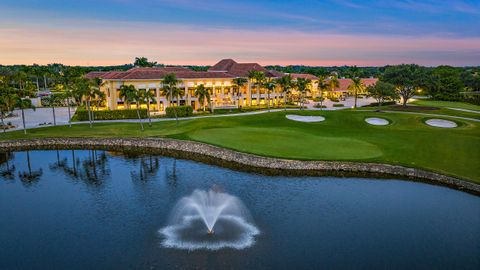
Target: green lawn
443 104
343 136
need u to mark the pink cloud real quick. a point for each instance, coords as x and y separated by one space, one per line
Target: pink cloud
100 43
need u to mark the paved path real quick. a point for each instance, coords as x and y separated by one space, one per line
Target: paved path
463 110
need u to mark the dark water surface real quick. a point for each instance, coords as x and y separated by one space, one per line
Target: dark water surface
105 210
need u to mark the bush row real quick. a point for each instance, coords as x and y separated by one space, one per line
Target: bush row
82 114
181 111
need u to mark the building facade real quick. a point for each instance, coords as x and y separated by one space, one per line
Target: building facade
219 80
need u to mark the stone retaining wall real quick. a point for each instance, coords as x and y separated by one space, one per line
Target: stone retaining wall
241 161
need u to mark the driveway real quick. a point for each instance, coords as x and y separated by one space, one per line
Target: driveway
39 117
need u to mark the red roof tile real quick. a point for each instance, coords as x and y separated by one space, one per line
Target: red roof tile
158 74
345 83
305 76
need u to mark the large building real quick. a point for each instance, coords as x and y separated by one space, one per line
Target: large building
218 79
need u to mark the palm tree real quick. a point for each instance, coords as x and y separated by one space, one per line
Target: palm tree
333 82
237 84
302 86
285 84
270 86
125 93
148 96
258 77
170 89
22 104
322 86
130 95
203 95
356 86
68 94
87 90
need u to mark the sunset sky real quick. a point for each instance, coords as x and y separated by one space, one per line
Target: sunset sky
332 32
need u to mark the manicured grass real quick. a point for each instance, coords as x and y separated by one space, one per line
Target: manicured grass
443 104
344 135
439 111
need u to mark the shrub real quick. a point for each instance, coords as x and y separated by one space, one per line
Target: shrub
334 99
338 105
181 111
318 106
82 114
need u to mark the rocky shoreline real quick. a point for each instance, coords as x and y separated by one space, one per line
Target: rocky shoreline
242 161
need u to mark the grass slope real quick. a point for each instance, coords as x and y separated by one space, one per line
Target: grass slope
446 104
343 136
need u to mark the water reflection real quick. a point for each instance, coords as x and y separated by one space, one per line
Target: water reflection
92 168
29 176
148 168
7 171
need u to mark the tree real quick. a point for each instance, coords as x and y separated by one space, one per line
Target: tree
302 86
238 83
270 86
322 86
170 89
143 62
258 77
23 104
125 93
444 83
285 84
406 78
202 94
86 89
355 87
333 83
53 100
148 96
382 91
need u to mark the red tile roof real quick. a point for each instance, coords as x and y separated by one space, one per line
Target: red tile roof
305 76
345 83
157 74
238 69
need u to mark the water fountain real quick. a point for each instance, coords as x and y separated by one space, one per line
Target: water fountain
209 220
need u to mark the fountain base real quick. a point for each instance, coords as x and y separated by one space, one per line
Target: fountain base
230 232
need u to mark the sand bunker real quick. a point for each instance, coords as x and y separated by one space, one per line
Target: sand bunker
377 121
302 118
441 123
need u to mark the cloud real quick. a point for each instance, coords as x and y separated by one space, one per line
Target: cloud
104 43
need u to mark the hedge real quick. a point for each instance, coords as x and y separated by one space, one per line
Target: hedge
338 105
181 111
82 114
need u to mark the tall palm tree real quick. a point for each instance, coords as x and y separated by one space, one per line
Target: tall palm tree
148 96
302 86
126 92
270 86
258 78
333 82
130 95
322 86
285 84
238 83
85 89
356 86
23 104
203 95
170 89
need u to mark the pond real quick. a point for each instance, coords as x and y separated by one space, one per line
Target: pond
92 209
